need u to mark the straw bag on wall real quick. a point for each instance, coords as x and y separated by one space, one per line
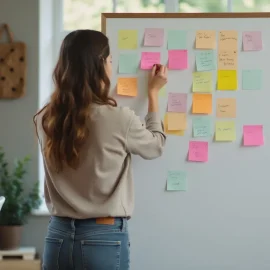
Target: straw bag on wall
12 66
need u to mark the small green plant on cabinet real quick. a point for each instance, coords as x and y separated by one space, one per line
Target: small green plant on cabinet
18 204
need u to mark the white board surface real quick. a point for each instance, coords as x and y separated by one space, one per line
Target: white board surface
222 222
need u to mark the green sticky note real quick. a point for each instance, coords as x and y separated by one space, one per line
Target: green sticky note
177 40
205 60
176 180
252 79
162 92
128 39
201 126
202 82
225 131
128 63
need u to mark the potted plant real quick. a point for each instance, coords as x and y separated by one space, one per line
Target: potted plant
18 204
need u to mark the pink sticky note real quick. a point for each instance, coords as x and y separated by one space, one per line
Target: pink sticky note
198 151
253 135
177 102
149 59
153 37
177 59
252 41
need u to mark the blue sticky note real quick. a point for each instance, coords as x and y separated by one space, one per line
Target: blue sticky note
176 180
252 79
205 60
177 40
201 126
128 63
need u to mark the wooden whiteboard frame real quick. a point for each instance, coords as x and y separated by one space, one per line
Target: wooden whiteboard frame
105 16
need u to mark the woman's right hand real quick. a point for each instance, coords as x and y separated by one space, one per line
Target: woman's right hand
157 78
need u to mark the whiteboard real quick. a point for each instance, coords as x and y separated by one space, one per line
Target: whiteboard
222 222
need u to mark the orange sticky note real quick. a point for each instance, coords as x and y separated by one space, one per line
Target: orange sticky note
228 40
206 39
171 132
226 107
227 60
127 87
177 121
202 103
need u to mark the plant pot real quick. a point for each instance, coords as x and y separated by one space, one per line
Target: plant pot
10 237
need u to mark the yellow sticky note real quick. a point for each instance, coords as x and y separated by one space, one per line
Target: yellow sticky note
127 87
227 60
227 80
202 103
202 82
228 40
205 39
171 132
225 131
128 39
226 107
177 121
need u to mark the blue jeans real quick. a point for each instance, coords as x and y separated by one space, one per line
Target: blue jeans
85 245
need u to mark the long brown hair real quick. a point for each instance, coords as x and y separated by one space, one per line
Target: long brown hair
80 79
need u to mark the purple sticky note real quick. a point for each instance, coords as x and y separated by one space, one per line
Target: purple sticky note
253 135
177 59
149 59
153 37
252 41
198 151
177 102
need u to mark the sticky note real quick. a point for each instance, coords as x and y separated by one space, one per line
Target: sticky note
205 39
253 135
202 82
201 126
128 63
252 79
176 180
226 107
178 59
149 59
202 103
177 102
176 121
162 92
205 60
227 80
252 41
128 39
198 151
177 40
153 37
127 87
227 60
228 40
171 132
225 131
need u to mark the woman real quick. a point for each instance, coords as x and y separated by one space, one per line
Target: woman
87 142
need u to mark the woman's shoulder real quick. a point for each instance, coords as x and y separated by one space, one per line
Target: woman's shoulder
119 112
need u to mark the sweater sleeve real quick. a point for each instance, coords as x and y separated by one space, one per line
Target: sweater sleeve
146 141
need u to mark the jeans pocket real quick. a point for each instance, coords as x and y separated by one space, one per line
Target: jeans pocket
51 254
101 255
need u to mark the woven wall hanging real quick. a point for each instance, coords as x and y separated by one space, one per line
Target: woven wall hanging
12 66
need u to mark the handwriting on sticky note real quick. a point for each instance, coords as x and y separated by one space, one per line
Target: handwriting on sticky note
202 82
227 80
171 132
253 135
153 37
178 59
227 60
226 107
252 41
202 103
149 59
177 102
198 151
127 87
225 131
177 40
201 126
128 63
177 121
205 39
252 79
228 40
205 60
176 180
128 39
